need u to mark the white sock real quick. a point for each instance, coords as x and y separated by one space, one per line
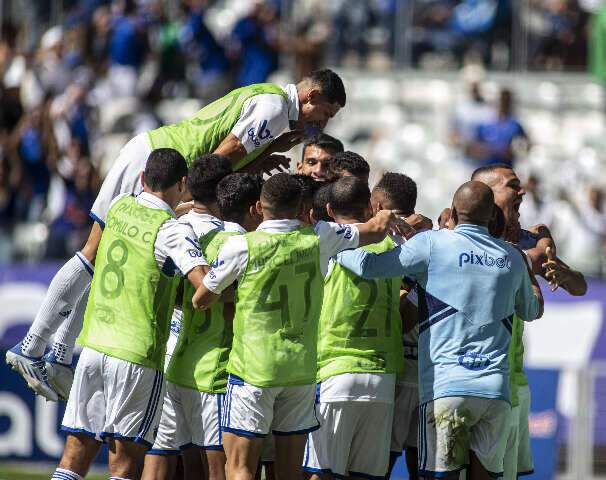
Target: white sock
65 338
63 292
63 474
118 478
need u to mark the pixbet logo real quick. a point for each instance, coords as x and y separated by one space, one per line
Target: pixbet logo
484 260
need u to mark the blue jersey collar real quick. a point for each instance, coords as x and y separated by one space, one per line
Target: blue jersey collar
470 228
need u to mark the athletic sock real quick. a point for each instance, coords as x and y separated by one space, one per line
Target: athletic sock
63 474
63 292
118 478
33 345
65 338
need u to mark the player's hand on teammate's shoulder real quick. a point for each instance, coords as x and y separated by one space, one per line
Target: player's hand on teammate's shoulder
268 164
419 222
287 140
183 208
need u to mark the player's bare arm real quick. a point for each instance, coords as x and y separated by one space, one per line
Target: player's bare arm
546 263
380 225
558 274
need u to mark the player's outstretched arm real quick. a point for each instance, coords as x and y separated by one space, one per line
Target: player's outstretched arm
409 259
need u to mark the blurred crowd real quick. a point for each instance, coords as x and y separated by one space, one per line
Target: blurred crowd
69 67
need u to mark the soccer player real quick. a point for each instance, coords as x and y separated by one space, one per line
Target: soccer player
359 354
272 364
398 192
317 153
119 381
350 164
196 376
509 194
464 332
308 189
245 126
320 200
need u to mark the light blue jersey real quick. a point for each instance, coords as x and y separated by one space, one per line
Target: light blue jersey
469 285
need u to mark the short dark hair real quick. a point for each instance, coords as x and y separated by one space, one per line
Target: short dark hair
204 175
400 190
489 169
352 162
281 194
164 168
321 198
330 84
325 142
349 196
308 187
235 193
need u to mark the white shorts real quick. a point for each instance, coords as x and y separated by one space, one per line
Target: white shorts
353 440
451 426
190 418
268 451
113 398
173 336
510 462
525 463
124 176
255 411
405 418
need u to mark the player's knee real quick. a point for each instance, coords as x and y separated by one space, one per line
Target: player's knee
216 465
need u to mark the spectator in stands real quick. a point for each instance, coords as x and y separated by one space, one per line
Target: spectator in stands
469 115
97 39
52 71
254 43
534 209
127 50
34 147
70 228
582 227
212 80
493 140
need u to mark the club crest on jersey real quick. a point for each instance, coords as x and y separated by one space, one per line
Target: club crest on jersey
484 260
473 361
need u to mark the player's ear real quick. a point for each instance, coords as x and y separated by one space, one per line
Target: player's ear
142 179
330 211
454 216
299 167
259 207
313 95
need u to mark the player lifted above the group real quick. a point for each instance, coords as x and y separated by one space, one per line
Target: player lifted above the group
246 126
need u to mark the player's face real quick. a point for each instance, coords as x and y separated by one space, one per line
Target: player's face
316 112
315 163
508 194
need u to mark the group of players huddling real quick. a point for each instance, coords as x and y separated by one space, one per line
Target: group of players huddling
233 321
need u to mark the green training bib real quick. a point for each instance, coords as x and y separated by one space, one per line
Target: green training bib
131 301
200 357
278 303
203 132
360 326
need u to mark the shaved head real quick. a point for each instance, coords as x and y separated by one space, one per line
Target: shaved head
473 203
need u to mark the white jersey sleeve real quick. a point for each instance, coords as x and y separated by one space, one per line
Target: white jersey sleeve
335 237
229 265
264 117
176 248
